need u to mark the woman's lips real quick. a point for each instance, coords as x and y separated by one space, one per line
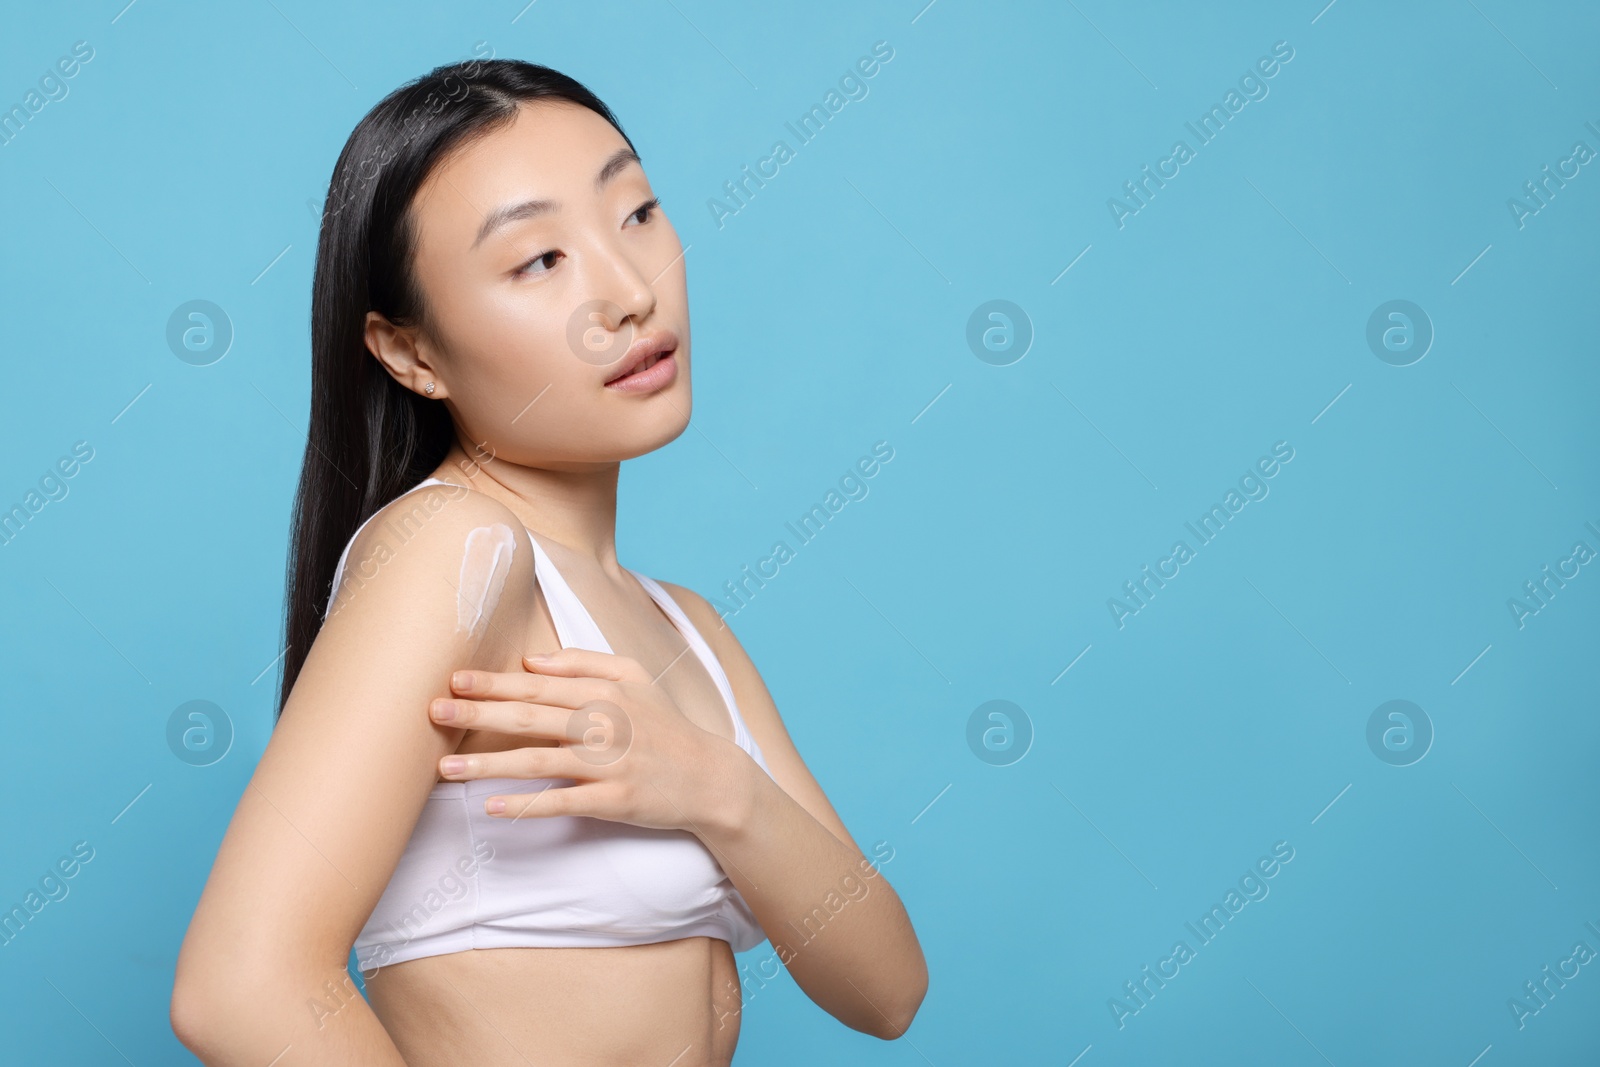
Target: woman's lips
656 376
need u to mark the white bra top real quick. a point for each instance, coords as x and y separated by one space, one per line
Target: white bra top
469 880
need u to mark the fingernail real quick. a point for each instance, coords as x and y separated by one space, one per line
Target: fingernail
541 658
461 680
444 710
495 806
452 765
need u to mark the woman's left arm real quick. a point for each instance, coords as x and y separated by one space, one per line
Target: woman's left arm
789 855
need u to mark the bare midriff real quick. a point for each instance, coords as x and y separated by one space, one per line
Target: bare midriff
673 1002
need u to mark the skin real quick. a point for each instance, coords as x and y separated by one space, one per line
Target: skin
391 687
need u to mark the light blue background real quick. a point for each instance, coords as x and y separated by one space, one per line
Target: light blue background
831 313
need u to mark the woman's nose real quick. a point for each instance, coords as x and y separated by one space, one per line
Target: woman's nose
622 283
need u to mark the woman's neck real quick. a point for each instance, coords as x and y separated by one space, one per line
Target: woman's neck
575 509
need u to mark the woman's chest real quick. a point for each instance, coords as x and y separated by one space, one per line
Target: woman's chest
640 631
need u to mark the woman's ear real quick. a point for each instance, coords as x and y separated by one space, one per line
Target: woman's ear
399 350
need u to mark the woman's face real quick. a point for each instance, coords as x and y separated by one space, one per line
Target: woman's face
541 261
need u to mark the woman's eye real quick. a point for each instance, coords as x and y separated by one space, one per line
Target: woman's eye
645 208
524 269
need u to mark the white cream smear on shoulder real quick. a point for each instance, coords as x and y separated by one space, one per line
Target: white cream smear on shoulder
484 567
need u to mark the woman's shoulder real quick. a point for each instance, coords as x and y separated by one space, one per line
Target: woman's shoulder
708 620
440 531
459 506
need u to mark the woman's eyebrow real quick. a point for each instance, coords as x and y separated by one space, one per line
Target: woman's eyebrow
506 214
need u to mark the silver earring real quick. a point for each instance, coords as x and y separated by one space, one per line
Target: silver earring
428 388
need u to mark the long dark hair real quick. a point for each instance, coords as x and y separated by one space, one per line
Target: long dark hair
370 438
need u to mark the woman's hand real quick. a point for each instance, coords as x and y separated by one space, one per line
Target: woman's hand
637 758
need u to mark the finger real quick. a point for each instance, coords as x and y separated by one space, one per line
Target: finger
506 716
533 688
535 761
591 799
573 662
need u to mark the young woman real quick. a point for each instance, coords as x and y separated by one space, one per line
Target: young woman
499 319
